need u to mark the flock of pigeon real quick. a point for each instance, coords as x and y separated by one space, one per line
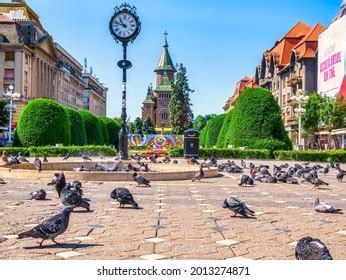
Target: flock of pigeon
71 194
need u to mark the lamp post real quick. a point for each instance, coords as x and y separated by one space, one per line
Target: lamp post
300 99
10 107
124 27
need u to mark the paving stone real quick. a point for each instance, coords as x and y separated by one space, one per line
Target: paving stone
227 242
83 238
155 240
342 232
11 236
209 211
159 210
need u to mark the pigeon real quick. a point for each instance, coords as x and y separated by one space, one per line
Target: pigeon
140 180
317 182
340 176
71 197
130 167
77 187
4 157
143 167
45 160
251 165
38 195
284 165
38 164
59 181
192 161
309 248
66 157
51 228
85 157
167 159
123 196
325 208
22 158
199 175
2 181
108 167
246 180
243 164
175 161
238 207
81 169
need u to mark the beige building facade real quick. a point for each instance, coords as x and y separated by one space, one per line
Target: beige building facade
39 68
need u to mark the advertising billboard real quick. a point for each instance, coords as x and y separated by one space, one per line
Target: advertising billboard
332 59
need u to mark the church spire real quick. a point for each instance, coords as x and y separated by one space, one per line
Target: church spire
165 62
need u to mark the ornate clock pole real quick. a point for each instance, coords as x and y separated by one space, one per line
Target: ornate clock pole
124 27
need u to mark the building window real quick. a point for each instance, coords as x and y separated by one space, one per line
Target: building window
164 116
9 56
26 59
9 73
25 76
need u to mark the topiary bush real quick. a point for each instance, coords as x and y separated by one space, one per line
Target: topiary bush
270 144
256 116
221 139
213 130
113 128
92 128
43 122
74 151
77 127
104 130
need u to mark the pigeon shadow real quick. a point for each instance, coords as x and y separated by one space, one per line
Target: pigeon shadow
65 246
131 208
241 217
82 211
325 189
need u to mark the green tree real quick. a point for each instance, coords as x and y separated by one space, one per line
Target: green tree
104 130
181 115
77 128
93 128
201 121
332 113
311 117
138 126
256 117
4 116
148 126
43 122
131 128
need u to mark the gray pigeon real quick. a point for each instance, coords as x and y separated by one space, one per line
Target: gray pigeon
85 157
22 158
309 248
72 198
45 159
38 164
38 195
238 207
123 196
59 181
2 181
246 180
243 164
325 208
51 228
66 157
140 180
199 175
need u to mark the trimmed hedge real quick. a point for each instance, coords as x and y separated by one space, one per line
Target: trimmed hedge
113 129
77 127
269 144
214 127
226 153
43 122
256 116
62 151
313 156
92 127
104 130
320 156
221 139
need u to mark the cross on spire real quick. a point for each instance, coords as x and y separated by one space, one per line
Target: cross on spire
166 44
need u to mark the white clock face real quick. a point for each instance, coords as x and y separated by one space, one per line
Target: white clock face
124 25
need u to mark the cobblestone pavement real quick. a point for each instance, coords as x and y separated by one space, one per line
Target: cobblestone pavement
179 220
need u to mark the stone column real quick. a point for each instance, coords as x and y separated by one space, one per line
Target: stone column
2 70
19 72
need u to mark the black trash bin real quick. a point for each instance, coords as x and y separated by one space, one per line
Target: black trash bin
191 143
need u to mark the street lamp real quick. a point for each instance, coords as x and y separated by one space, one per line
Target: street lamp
11 107
300 100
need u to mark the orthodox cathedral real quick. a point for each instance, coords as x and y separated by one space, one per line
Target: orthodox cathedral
156 103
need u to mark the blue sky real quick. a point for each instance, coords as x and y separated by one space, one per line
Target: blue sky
218 41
